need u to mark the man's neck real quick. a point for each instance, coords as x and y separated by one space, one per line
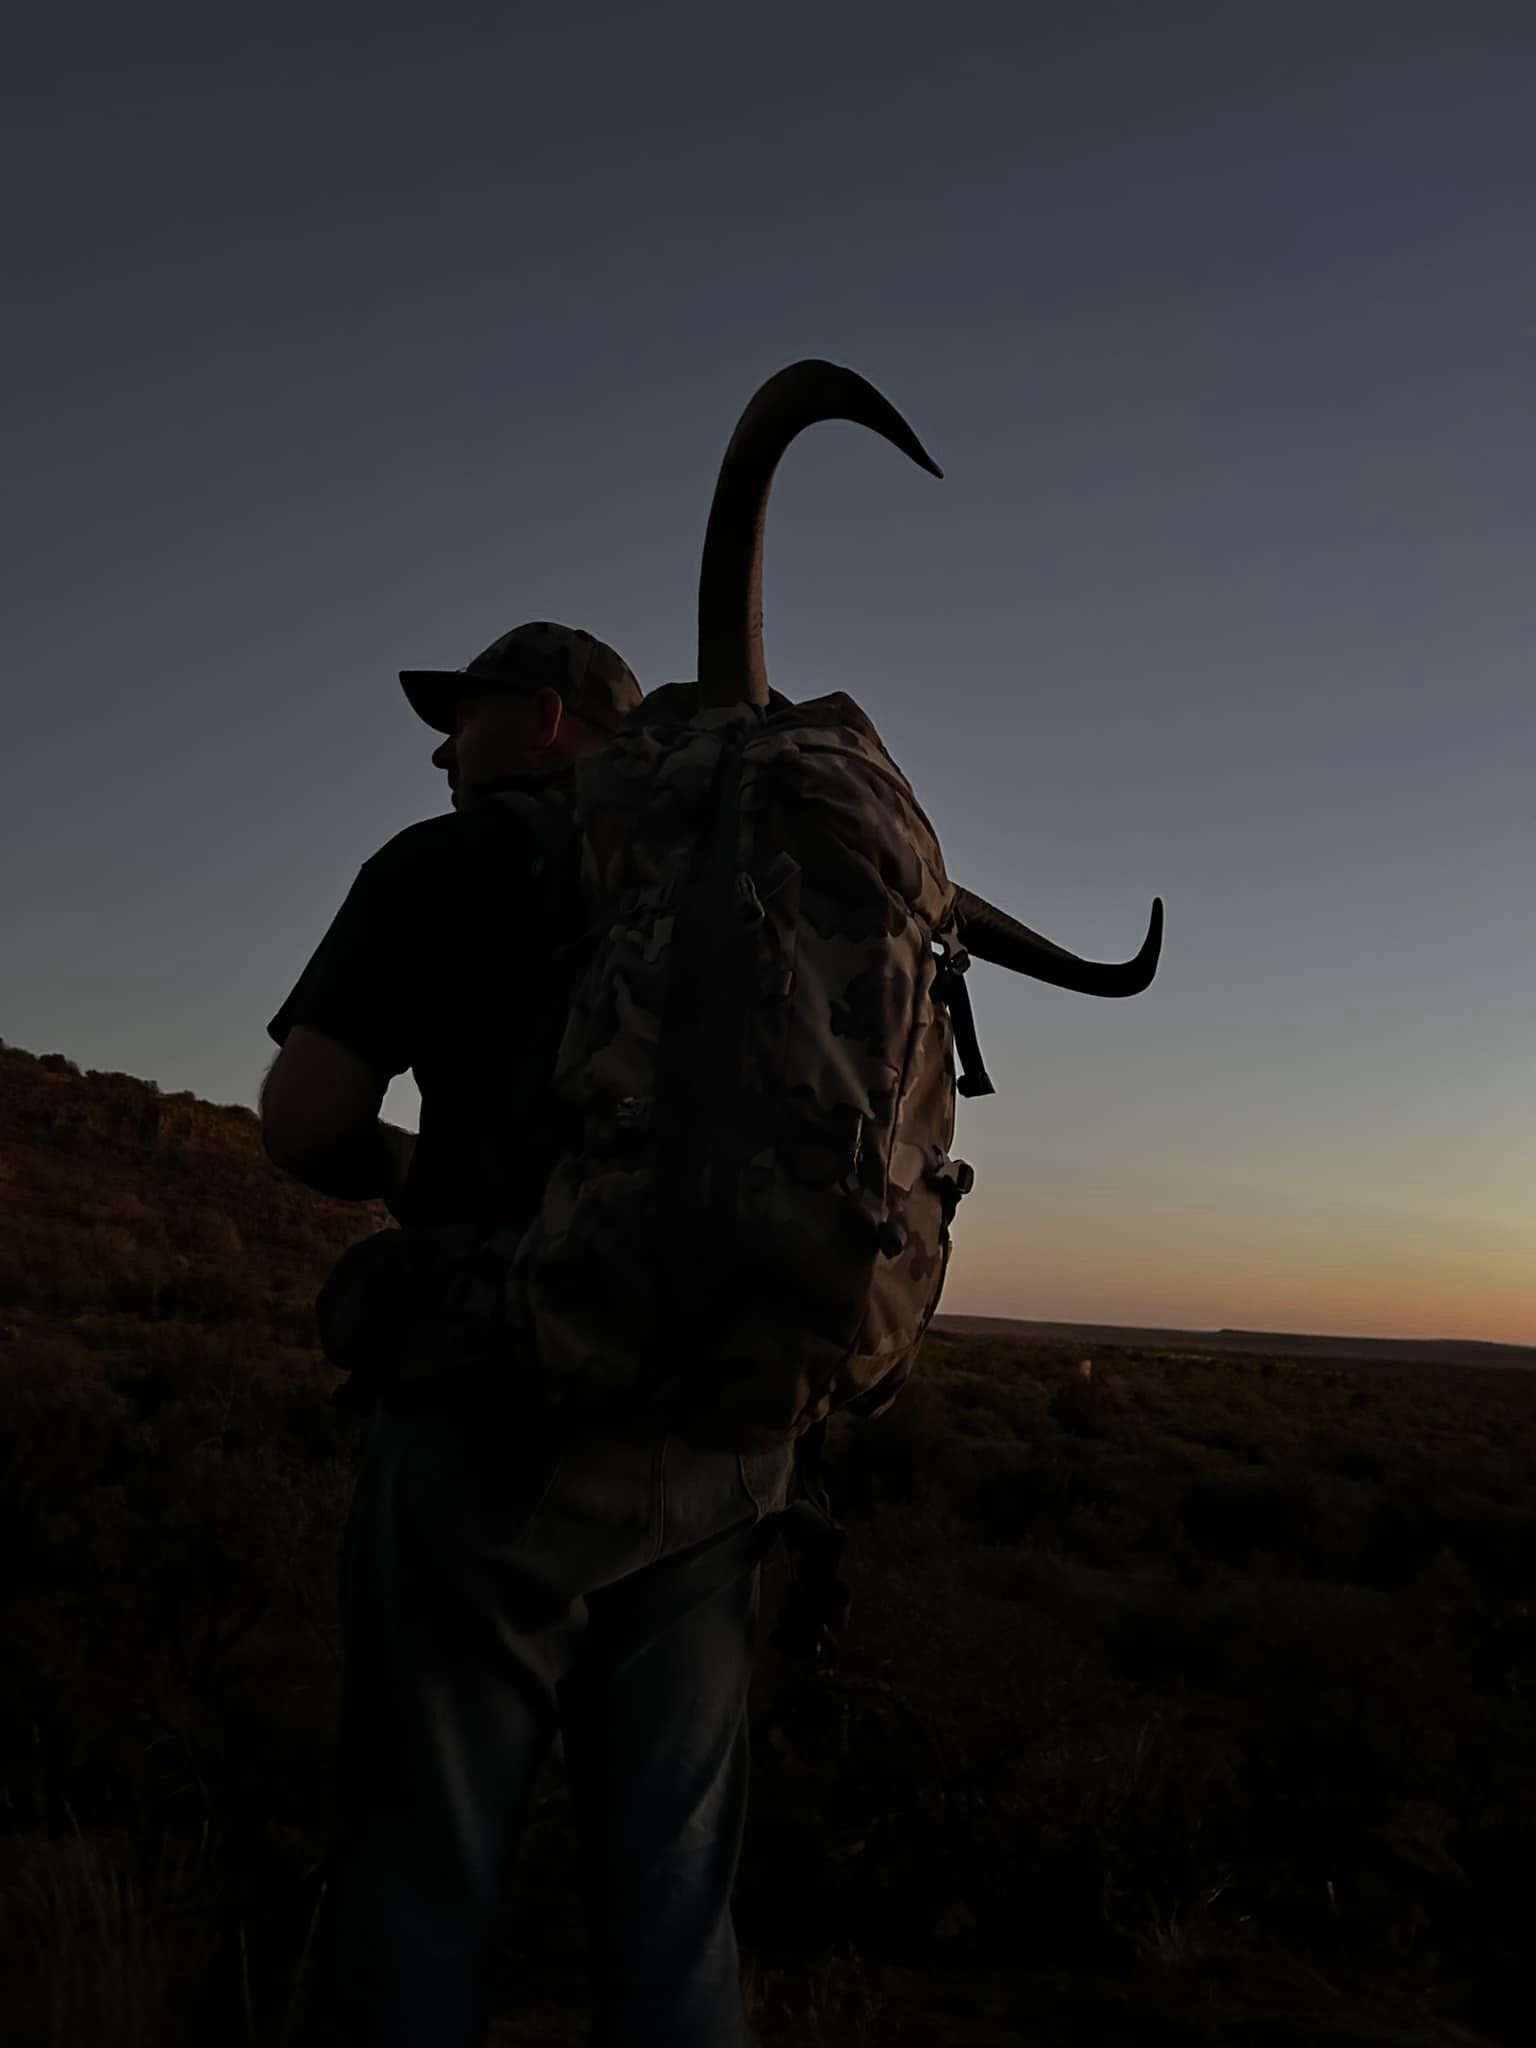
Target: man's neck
534 783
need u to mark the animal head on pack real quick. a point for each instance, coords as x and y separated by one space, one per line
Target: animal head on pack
731 666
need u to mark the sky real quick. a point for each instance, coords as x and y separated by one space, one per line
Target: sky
340 339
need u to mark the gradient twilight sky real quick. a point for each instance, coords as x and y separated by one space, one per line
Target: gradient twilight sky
342 338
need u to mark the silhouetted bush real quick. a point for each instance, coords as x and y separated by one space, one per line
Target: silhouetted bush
214 1298
1230 1519
1019 1493
1348 1458
890 1457
1080 1408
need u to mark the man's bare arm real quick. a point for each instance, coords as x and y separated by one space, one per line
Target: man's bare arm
320 1121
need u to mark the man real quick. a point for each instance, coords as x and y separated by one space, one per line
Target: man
501 1577
431 960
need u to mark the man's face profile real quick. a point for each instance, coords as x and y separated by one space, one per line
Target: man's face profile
497 734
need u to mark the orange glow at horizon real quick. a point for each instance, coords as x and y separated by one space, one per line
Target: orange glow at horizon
1405 1278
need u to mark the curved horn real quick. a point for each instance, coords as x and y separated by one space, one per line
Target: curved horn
991 934
731 667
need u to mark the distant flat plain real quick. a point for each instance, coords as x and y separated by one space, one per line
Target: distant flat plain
1249 1343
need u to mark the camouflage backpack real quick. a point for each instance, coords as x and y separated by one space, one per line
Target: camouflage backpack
752 1225
750 1228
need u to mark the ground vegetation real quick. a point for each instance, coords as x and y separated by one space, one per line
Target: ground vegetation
1187 1696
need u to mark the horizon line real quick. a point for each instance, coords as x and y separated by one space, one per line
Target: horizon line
1225 1330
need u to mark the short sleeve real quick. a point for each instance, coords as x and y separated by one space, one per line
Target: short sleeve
360 983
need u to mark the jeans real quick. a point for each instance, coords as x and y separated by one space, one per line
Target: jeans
501 1579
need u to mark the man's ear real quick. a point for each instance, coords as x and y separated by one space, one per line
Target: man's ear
548 718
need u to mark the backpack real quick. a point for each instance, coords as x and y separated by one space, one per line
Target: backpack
751 1226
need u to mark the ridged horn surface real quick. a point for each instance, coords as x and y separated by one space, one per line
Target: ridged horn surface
991 934
731 665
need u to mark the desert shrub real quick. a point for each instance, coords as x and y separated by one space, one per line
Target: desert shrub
1096 1536
1230 1519
1019 1493
208 1297
990 1408
1244 1444
1497 1541
1137 1496
133 1294
86 1927
940 1350
67 1286
1351 1458
1402 1531
1082 1408
1174 1638
1136 1836
892 1457
988 1357
293 1323
151 1520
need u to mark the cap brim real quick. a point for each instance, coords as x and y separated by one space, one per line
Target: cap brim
432 694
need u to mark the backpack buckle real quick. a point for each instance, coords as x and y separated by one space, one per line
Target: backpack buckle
632 1113
953 1179
949 986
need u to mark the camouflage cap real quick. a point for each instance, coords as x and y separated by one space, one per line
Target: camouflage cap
596 683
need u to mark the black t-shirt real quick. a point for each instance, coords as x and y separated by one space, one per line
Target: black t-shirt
453 957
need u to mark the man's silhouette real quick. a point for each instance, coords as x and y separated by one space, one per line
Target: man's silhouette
501 1578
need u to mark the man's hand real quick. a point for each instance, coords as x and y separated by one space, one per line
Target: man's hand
320 1121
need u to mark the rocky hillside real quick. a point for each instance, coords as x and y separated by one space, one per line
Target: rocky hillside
118 1202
